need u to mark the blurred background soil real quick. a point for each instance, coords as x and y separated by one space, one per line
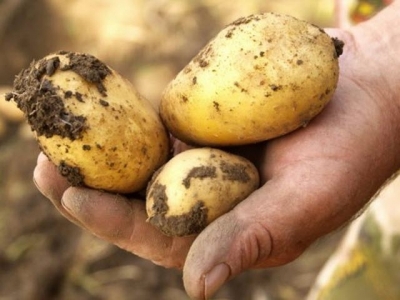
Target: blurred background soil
43 256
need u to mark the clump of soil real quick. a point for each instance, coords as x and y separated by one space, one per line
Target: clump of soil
185 224
37 96
89 68
199 172
339 45
203 58
234 172
43 102
44 109
73 174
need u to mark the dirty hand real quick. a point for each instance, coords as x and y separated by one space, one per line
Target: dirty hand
314 179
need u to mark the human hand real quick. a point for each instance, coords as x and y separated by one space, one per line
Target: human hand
314 180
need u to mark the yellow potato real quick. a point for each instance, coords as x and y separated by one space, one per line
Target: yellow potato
261 77
91 122
196 187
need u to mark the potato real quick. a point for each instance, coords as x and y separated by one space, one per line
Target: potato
197 186
261 77
91 122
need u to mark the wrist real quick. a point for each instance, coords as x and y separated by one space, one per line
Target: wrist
379 41
377 44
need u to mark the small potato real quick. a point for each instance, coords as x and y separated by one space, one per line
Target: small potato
196 187
91 122
261 77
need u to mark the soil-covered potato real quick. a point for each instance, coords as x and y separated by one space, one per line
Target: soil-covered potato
261 77
197 186
91 122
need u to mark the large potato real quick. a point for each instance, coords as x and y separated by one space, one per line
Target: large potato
197 186
261 77
91 122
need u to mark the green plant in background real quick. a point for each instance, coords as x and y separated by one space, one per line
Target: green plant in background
367 262
365 9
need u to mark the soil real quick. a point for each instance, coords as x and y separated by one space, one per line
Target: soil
185 224
73 174
234 172
203 57
44 109
199 172
40 100
88 67
339 45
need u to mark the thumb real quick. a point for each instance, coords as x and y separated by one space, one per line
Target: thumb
267 229
228 246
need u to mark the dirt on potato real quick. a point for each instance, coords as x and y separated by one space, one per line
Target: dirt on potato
43 106
89 68
182 225
44 109
234 172
73 174
339 45
199 172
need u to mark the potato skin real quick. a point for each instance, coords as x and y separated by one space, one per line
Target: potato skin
259 78
106 137
197 186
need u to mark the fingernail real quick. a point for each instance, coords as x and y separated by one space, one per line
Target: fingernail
215 279
74 201
65 205
70 205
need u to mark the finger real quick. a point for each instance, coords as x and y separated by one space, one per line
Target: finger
109 216
48 180
51 184
123 223
178 146
224 249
